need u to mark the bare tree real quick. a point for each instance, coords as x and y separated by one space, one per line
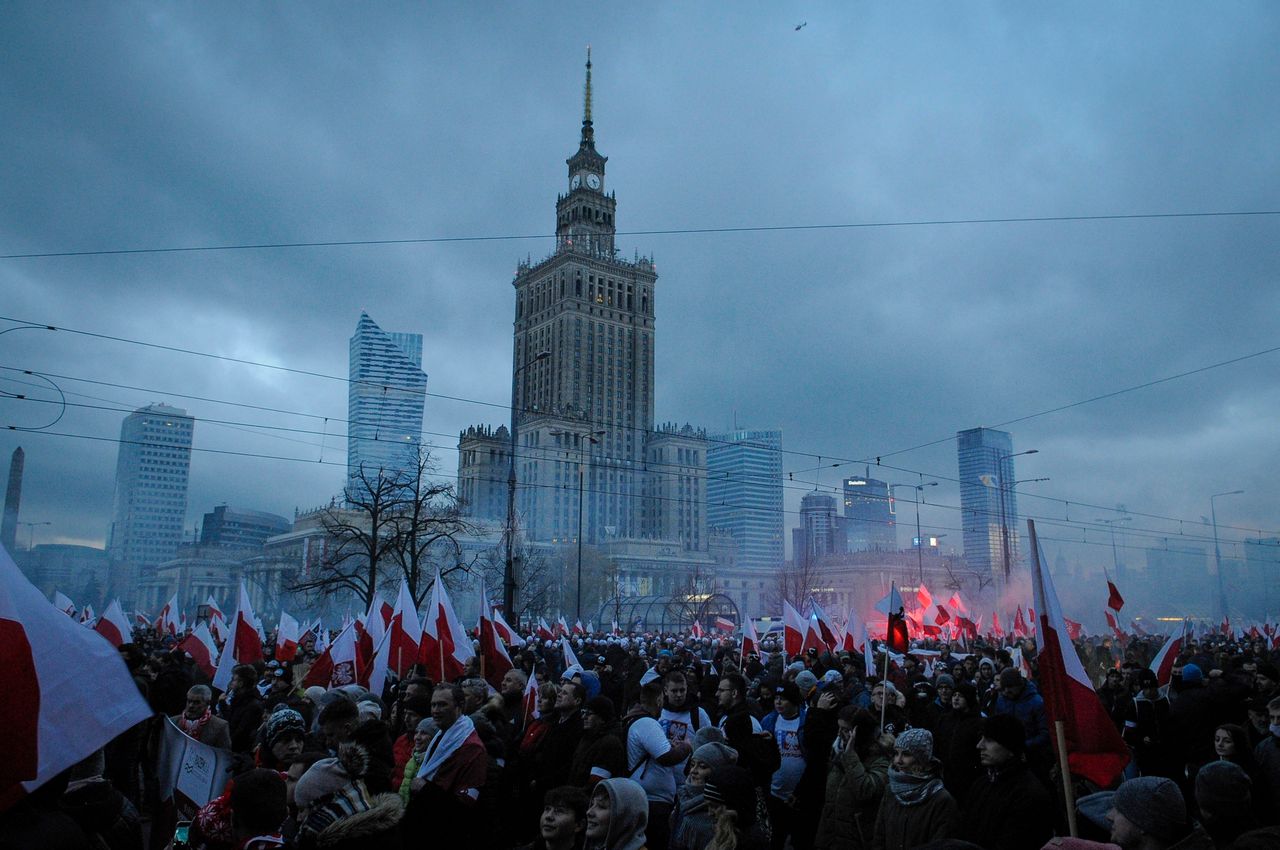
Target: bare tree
535 582
426 530
794 583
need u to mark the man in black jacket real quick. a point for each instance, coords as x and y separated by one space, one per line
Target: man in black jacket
241 707
1006 808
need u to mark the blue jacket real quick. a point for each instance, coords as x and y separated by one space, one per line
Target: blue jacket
1029 709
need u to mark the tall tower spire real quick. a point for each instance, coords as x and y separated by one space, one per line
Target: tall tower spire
587 133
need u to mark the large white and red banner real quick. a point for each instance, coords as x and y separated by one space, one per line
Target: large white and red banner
244 644
1162 664
493 655
203 651
65 692
794 628
445 649
287 637
1095 749
405 631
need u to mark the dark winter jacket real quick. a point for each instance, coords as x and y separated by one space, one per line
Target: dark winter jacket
855 787
104 813
956 743
601 750
375 828
1008 810
901 827
1028 707
691 823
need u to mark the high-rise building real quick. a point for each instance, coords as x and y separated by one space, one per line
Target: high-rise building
988 501
152 471
676 486
12 499
231 527
868 515
817 532
483 465
384 401
583 365
744 494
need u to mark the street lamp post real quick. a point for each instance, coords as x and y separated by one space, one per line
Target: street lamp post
919 488
1001 457
31 527
594 438
509 573
1217 553
1115 558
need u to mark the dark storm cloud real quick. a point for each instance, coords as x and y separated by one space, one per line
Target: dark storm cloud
157 125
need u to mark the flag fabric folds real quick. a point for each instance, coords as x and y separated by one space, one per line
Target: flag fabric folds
1162 664
66 692
286 637
114 625
1114 601
750 640
445 649
493 654
793 629
1095 749
405 631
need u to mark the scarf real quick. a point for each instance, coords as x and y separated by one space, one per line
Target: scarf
193 727
912 790
444 745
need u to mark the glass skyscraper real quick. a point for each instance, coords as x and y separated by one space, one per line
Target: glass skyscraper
744 494
988 501
385 400
868 513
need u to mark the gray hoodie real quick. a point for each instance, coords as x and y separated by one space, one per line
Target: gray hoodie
628 814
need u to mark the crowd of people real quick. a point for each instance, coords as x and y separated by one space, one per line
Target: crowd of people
673 742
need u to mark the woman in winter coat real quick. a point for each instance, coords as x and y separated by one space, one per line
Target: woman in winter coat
856 779
958 734
691 823
916 809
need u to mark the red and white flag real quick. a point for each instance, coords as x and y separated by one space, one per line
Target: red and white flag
1074 629
1095 749
562 628
813 636
1162 664
616 631
243 646
114 625
750 640
530 701
794 628
544 631
64 604
339 665
1114 600
577 628
723 624
66 692
1019 624
570 658
826 629
942 617
493 655
287 637
200 646
924 598
506 634
445 649
995 626
373 623
378 665
406 632
215 609
696 629
167 619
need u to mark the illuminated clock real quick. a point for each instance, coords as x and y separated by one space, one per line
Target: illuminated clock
593 181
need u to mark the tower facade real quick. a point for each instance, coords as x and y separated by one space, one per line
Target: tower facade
583 356
483 462
152 472
868 514
817 533
744 494
384 400
676 486
988 501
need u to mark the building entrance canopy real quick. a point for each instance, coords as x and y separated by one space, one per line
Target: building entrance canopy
671 614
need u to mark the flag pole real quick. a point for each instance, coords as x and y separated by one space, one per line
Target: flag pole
1060 730
884 683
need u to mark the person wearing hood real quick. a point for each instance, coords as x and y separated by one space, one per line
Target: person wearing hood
1006 808
856 778
336 810
916 809
1020 698
600 753
617 816
691 823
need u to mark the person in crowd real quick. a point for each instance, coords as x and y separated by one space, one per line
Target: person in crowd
412 712
651 760
1006 808
916 808
1267 755
553 758
1021 698
895 717
198 721
107 817
731 802
562 824
857 774
409 770
1231 743
786 724
338 721
681 715
956 741
282 741
945 688
1149 729
336 810
691 823
618 815
259 809
1224 798
448 783
601 751
1194 713
1149 813
241 708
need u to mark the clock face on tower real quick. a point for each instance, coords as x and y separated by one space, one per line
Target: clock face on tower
593 181
576 181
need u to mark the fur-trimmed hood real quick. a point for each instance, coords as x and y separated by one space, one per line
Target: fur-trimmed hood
382 816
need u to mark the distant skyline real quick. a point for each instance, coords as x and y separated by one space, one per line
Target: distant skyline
149 125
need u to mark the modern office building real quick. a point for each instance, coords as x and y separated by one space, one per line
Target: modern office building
988 501
384 401
152 472
744 494
869 520
818 535
231 527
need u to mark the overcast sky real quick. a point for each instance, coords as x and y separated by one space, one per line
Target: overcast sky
138 125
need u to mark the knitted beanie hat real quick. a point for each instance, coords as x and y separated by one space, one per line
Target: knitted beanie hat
731 786
946 679
1192 673
1007 731
806 682
918 743
716 754
284 721
1224 790
1154 805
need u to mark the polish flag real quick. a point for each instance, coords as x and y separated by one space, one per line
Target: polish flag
218 626
577 628
445 649
826 631
924 598
750 640
66 692
1074 629
616 631
378 665
322 638
493 655
530 700
1162 664
956 605
562 628
1019 624
373 623
724 624
995 626
506 634
338 666
287 637
696 629
114 625
942 617
405 632
813 636
794 628
63 603
215 609
544 631
167 620
1114 600
868 655
853 626
200 646
570 659
1095 749
243 646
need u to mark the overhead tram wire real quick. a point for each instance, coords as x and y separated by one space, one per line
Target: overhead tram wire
598 423
675 231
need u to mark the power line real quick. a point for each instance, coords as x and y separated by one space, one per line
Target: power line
682 231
